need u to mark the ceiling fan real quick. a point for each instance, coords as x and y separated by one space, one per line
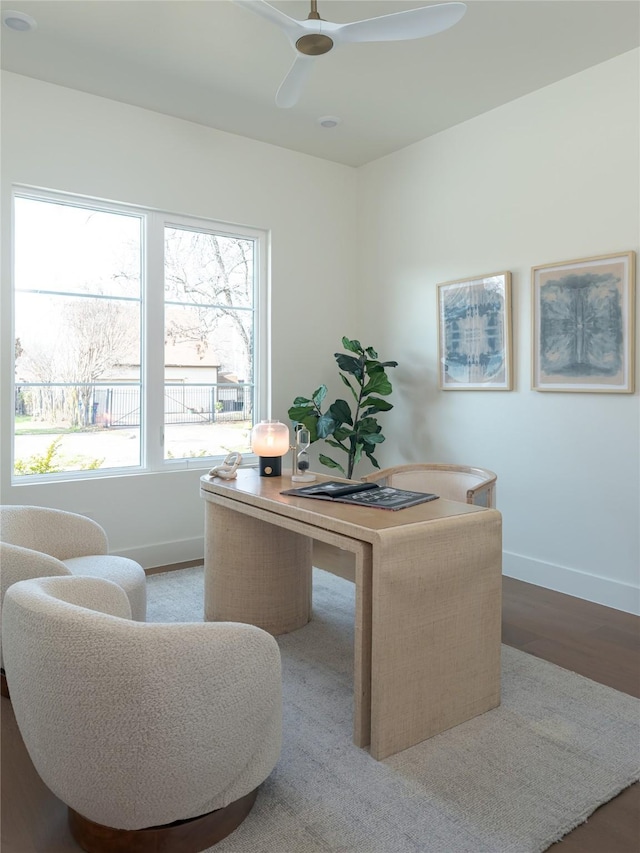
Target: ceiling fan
315 37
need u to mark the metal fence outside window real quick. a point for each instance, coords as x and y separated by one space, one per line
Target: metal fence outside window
119 405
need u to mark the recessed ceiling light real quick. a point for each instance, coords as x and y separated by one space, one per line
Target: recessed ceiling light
329 121
18 21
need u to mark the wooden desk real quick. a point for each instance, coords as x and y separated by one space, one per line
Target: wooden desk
428 596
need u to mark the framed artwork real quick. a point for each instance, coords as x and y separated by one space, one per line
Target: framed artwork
474 333
583 325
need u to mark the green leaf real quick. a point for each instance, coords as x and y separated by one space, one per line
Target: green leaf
302 401
371 352
376 405
325 426
333 443
374 438
352 346
329 463
377 384
299 413
311 423
371 458
342 433
380 365
319 395
349 364
349 386
340 412
309 420
358 454
368 426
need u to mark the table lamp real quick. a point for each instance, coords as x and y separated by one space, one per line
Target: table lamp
270 441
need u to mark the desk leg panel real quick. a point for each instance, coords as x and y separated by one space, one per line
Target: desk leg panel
436 630
255 572
362 650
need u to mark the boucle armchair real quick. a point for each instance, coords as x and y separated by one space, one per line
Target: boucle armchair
137 725
40 542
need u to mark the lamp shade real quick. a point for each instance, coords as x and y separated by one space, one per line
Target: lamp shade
270 441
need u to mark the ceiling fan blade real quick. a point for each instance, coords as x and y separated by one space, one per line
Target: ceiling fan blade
289 25
410 24
293 84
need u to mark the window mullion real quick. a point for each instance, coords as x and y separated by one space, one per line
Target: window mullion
154 342
262 331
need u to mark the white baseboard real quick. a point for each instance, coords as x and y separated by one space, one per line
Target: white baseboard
610 593
165 553
606 591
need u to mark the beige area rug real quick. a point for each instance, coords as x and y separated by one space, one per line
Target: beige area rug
513 780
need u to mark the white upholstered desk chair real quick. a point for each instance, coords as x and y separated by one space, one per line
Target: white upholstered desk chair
136 725
452 482
38 542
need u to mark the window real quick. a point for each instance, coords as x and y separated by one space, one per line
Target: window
208 331
137 338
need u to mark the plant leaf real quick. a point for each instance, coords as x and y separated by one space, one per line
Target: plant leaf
368 426
352 346
325 425
371 352
377 384
349 386
342 432
311 423
341 412
377 405
324 460
302 401
333 443
380 365
318 395
349 364
375 438
371 457
299 413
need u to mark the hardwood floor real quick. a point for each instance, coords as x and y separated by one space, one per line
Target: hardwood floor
598 642
601 644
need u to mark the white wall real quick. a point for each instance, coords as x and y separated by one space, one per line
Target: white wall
66 140
552 176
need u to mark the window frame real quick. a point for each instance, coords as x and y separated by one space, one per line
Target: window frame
152 298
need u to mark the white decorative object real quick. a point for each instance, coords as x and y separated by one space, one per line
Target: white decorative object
227 470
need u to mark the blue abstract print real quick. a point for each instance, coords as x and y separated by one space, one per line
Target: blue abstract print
581 326
473 317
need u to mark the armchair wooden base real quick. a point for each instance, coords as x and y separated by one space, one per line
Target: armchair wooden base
183 836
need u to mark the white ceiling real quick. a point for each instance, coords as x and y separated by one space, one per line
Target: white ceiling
215 63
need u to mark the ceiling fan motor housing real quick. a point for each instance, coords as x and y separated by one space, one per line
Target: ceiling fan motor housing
314 44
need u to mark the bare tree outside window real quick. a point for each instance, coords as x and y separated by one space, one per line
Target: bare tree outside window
77 321
93 337
209 301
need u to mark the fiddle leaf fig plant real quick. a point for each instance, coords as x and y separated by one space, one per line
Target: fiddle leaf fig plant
353 431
